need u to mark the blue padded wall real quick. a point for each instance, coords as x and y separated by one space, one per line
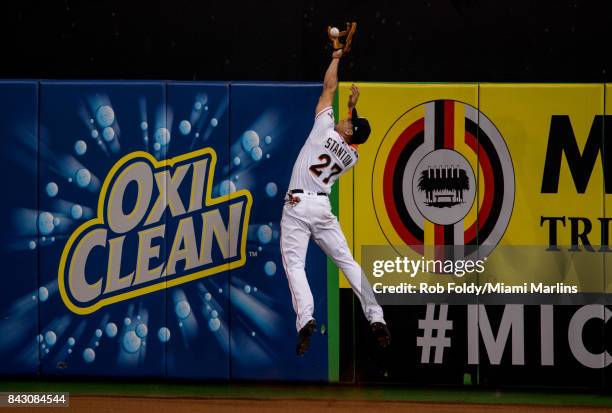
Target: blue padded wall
269 125
19 295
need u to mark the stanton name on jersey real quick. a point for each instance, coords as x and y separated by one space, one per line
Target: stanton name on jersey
340 151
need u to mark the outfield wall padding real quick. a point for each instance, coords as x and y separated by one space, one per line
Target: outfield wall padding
141 225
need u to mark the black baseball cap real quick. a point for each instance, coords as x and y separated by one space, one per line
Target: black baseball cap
361 128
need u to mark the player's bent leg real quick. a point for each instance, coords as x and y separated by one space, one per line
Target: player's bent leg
331 239
360 285
294 244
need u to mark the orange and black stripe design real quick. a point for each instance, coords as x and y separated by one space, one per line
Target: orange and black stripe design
438 130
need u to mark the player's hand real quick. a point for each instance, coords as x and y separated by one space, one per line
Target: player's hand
353 97
337 54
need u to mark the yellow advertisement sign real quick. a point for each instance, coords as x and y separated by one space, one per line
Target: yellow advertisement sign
509 173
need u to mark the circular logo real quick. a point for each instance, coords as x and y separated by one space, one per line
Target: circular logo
443 176
444 187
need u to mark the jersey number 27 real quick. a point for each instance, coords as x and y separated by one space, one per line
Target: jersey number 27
318 168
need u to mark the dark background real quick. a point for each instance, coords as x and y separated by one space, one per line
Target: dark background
422 40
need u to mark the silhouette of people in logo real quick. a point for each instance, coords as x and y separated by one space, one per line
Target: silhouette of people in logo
443 186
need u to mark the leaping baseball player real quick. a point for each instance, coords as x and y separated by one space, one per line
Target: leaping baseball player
329 152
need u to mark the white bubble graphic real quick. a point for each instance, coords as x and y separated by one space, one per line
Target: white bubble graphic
156 146
108 134
207 296
32 245
249 140
214 314
163 335
69 351
268 139
127 321
256 153
111 330
76 211
43 294
98 333
52 189
214 324
82 177
252 334
197 106
247 289
80 147
71 341
45 223
182 309
105 116
56 221
220 290
94 134
226 187
214 122
162 136
270 268
40 338
264 234
131 342
271 189
89 355
144 125
237 160
142 330
50 338
185 127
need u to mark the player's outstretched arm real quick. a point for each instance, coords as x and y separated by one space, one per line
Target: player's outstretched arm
330 83
353 98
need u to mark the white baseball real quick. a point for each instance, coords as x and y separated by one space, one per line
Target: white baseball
334 32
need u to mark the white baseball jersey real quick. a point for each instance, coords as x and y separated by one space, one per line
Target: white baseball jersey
324 157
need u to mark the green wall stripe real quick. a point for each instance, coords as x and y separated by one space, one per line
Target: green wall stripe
333 293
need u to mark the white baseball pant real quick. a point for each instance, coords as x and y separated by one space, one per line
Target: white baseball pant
312 218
